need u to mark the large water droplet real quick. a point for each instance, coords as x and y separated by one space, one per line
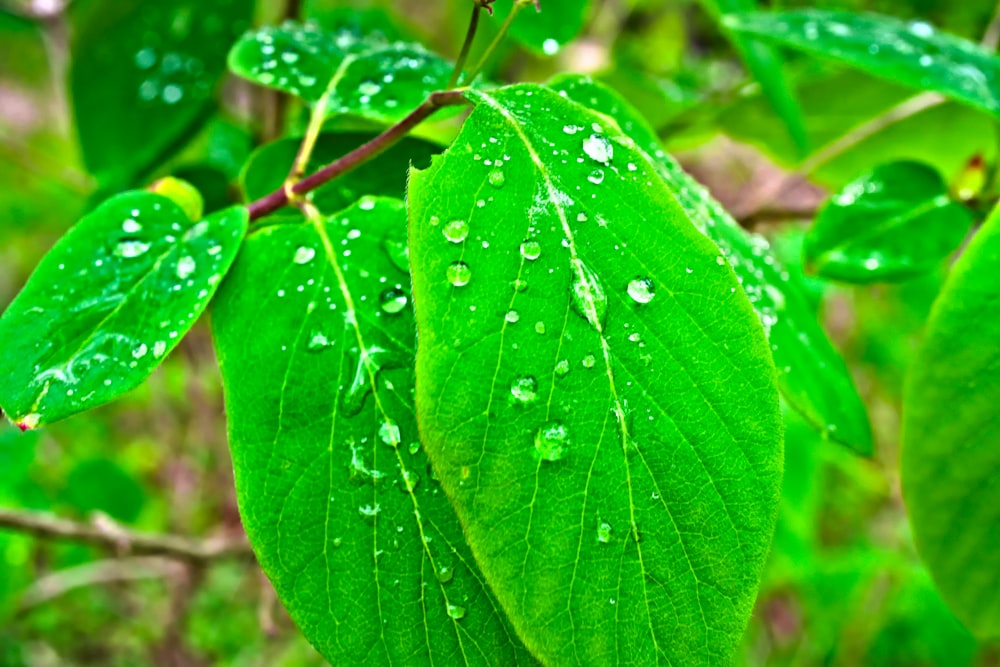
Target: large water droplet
496 178
641 290
304 255
185 267
456 231
524 389
393 300
130 226
388 433
398 253
551 441
590 301
367 366
459 274
512 316
456 612
598 148
531 250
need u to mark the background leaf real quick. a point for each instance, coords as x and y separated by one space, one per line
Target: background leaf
913 54
950 461
594 391
385 175
108 302
890 224
336 495
143 78
549 30
811 375
369 76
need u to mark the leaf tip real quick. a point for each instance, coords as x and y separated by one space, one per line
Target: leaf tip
28 422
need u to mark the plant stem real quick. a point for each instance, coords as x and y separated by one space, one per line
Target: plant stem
463 55
514 11
105 533
280 197
316 120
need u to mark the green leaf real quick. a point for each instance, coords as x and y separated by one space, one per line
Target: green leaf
339 72
546 31
108 302
765 64
811 375
913 54
892 223
950 460
143 78
594 391
337 497
385 175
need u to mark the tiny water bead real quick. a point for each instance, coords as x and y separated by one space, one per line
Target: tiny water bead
524 389
512 317
131 249
496 178
393 300
604 532
531 250
562 368
641 290
130 226
588 361
456 612
459 274
596 176
456 231
598 148
318 341
551 441
304 255
185 267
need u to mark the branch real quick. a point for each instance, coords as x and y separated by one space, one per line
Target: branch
105 533
109 571
279 198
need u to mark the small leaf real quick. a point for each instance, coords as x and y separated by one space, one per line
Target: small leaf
385 175
950 459
108 302
594 390
912 54
339 72
547 31
337 496
181 193
143 78
812 376
893 223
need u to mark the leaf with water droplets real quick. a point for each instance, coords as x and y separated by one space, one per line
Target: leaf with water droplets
143 78
950 458
910 53
542 435
385 175
108 302
893 223
357 537
811 375
546 31
341 72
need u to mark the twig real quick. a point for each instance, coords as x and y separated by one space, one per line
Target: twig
762 215
991 38
463 55
107 571
280 197
108 534
504 27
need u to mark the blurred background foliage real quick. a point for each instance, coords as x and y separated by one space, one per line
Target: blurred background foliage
78 121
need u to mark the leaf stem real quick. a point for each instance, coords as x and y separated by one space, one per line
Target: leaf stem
463 55
281 197
504 27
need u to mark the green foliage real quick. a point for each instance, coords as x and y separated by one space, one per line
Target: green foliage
951 446
893 223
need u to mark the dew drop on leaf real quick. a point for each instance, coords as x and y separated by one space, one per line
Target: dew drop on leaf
444 573
551 440
459 274
456 612
496 178
185 267
590 301
131 248
512 316
304 255
317 342
531 250
598 148
456 231
393 300
641 290
603 532
388 433
524 389
562 368
596 177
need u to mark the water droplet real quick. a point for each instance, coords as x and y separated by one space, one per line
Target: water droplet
512 316
140 351
520 285
368 364
131 248
562 368
185 267
398 253
414 447
456 612
496 178
411 480
393 300
590 301
318 341
456 231
596 177
550 47
130 226
290 57
588 361
159 349
531 250
524 389
551 441
459 274
388 433
598 148
603 532
641 290
369 511
540 327
304 255
444 573
369 88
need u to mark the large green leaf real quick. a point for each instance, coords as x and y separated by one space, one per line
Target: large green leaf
913 54
594 389
765 64
268 167
951 437
315 338
340 72
812 376
554 25
892 223
108 302
143 78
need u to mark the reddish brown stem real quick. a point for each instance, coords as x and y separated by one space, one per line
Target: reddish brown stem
279 198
